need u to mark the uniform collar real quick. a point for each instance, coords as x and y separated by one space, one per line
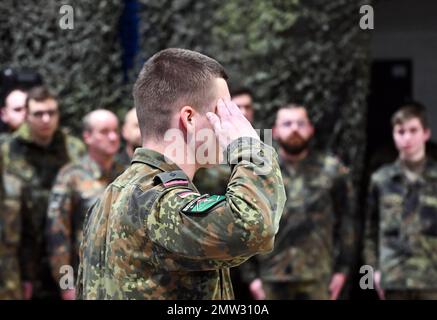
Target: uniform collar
430 169
154 159
312 157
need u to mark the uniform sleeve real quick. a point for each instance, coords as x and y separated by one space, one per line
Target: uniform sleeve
371 226
58 227
345 223
237 226
27 255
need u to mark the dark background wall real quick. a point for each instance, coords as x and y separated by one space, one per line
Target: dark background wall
407 30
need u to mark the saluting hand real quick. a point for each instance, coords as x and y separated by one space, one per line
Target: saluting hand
229 123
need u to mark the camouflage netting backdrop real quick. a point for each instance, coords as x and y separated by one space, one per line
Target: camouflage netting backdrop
308 51
82 65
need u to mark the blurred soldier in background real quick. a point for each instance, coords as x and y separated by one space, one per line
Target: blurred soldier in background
10 282
13 112
132 137
243 98
15 82
77 186
401 227
314 247
31 159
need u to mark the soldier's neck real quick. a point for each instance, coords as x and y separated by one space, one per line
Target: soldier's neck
293 158
413 159
42 141
188 167
413 165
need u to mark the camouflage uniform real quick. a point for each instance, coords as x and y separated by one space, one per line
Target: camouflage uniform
316 232
152 236
29 172
401 229
4 136
213 180
10 284
77 186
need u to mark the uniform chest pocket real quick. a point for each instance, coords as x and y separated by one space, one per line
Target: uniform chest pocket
317 193
391 207
390 223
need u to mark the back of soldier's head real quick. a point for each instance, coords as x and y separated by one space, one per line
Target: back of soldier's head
169 80
413 110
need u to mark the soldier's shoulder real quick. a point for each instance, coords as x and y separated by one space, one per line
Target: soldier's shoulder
4 136
332 163
75 147
142 187
74 141
431 167
384 172
72 168
146 177
13 152
10 143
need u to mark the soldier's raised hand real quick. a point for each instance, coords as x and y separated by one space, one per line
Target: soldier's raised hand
229 123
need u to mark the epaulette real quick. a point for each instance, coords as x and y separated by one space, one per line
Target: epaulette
172 178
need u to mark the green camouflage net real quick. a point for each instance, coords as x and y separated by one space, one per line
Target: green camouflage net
82 66
310 51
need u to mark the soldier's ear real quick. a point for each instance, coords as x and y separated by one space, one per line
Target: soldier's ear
187 118
312 129
86 135
427 134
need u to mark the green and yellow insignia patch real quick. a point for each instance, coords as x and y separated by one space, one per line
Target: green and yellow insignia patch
203 204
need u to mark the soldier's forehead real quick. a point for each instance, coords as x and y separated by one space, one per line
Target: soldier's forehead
412 122
16 96
48 103
292 113
102 117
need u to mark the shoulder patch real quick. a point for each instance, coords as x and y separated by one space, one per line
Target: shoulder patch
203 204
172 178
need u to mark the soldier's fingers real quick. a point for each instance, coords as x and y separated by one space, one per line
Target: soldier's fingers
222 109
214 120
233 109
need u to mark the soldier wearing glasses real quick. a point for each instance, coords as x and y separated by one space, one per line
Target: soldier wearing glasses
31 160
